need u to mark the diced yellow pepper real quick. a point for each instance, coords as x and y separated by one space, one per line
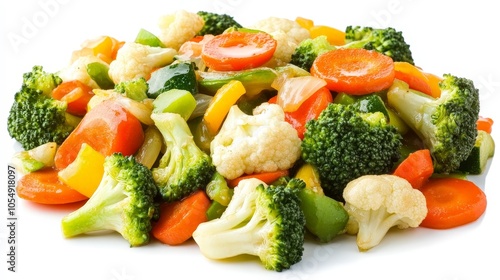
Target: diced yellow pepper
219 106
335 37
85 173
305 22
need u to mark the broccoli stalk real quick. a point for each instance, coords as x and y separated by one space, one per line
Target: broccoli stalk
184 167
387 41
215 23
260 220
344 143
123 202
35 118
446 125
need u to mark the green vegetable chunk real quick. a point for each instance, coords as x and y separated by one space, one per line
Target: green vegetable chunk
177 101
484 148
325 217
180 75
254 80
99 73
149 39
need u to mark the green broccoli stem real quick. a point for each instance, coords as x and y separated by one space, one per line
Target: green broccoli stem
89 217
414 108
371 233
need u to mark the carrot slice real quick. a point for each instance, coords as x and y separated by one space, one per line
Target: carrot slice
354 71
44 187
178 220
452 202
238 50
417 168
266 177
485 124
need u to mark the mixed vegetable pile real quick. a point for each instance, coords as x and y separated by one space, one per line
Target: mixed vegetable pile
250 139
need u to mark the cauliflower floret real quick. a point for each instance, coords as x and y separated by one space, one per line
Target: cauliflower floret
77 70
135 60
376 203
288 34
262 142
179 27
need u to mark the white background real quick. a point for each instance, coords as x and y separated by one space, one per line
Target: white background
458 37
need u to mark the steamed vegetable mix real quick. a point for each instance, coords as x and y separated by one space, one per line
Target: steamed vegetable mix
251 140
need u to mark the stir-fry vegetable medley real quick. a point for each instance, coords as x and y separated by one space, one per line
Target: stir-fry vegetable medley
251 139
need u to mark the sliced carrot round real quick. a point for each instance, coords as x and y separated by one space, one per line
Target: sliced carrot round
44 187
238 50
354 71
179 219
452 202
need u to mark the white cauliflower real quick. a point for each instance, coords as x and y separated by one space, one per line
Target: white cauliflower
288 34
135 60
77 70
179 27
376 203
262 142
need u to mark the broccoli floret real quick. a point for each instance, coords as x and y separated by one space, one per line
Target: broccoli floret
35 118
134 89
344 143
307 51
388 41
123 202
260 220
184 167
447 124
215 23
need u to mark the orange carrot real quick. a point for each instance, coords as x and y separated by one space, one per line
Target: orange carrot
266 177
452 202
417 168
238 50
44 187
354 71
485 124
178 220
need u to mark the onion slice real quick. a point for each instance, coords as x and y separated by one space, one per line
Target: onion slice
294 91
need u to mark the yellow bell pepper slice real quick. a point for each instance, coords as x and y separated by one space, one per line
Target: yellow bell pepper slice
85 173
335 36
305 22
219 106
